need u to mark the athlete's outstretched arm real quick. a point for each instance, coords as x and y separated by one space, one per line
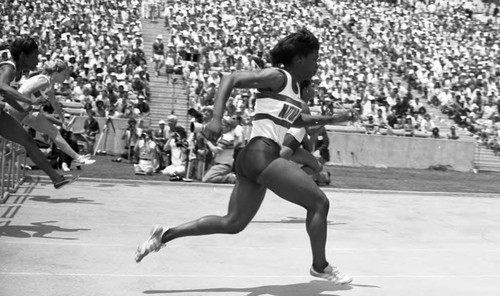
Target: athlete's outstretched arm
306 120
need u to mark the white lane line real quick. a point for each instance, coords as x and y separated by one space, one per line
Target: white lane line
63 244
430 250
55 274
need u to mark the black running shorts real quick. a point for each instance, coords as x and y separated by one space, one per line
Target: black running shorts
256 156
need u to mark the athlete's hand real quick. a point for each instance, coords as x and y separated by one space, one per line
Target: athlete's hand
212 131
65 124
354 115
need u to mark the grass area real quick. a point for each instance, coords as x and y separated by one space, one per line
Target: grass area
342 177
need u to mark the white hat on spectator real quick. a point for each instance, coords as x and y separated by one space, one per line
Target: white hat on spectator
161 121
159 36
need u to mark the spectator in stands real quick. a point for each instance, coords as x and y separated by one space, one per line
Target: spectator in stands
65 92
239 131
177 145
140 86
426 125
145 149
90 130
399 109
143 108
99 110
453 133
131 136
409 126
170 60
381 123
435 133
160 135
158 54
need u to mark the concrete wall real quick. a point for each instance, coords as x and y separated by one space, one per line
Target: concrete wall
351 149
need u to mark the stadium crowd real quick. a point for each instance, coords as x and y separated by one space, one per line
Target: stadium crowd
407 67
101 41
393 62
448 58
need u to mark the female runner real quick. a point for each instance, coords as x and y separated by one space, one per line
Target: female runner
39 88
259 166
23 55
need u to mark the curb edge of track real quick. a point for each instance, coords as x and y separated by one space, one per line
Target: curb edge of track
327 189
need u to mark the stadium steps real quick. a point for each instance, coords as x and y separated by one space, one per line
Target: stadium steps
486 160
166 98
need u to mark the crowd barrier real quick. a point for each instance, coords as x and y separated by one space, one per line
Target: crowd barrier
12 159
362 150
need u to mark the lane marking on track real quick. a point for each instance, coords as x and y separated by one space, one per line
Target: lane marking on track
18 273
428 250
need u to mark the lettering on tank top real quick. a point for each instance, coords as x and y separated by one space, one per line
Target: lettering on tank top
289 113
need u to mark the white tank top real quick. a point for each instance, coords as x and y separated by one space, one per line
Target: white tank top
15 82
27 86
276 111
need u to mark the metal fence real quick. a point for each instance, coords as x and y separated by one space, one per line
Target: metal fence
12 161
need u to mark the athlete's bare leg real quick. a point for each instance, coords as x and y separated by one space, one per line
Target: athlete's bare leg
294 185
245 201
310 164
44 125
11 130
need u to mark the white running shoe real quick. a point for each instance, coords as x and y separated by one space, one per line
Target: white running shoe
332 274
84 160
153 243
64 167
